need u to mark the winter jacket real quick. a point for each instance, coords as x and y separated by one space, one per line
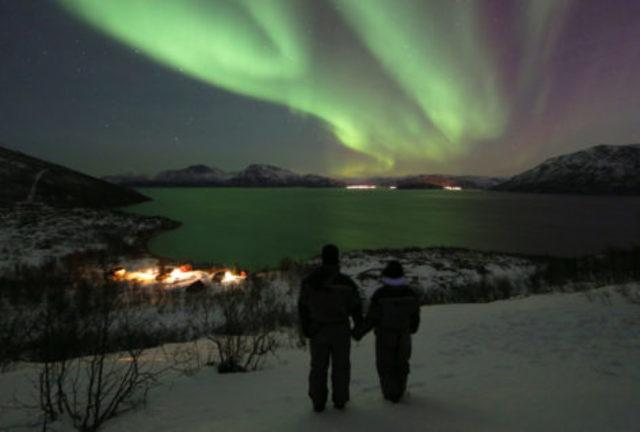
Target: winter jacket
328 297
392 308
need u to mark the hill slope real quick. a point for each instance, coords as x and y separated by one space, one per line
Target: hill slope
28 179
603 169
556 362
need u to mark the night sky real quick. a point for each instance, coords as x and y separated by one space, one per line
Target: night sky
340 87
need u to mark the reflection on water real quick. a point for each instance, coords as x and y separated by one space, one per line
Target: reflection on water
258 227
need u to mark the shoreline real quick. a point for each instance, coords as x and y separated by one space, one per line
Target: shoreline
88 237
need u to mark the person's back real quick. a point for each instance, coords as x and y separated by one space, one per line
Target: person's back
394 313
329 295
328 299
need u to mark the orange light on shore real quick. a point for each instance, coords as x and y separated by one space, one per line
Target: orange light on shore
177 276
145 276
233 278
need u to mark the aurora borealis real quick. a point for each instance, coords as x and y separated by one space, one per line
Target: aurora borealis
477 86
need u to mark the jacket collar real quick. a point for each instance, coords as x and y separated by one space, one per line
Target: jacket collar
394 282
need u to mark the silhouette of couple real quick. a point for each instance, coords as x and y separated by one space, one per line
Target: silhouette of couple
328 300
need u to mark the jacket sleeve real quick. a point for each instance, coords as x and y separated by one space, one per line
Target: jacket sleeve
372 318
303 311
355 310
415 317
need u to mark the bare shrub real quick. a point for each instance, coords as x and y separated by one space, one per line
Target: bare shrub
241 323
9 328
186 358
110 378
16 333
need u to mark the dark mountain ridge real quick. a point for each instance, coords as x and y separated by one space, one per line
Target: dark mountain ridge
27 179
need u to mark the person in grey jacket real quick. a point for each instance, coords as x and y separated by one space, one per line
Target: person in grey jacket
328 299
394 313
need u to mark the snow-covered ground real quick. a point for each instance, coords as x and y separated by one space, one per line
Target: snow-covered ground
436 272
555 362
35 234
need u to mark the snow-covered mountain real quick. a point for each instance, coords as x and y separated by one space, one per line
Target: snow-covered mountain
260 175
195 175
602 169
28 179
265 175
255 175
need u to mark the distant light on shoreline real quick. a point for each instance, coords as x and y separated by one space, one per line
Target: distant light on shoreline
362 187
452 188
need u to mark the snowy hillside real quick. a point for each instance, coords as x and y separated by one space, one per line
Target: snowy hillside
25 178
557 362
34 235
603 169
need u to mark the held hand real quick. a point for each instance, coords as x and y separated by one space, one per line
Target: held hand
306 332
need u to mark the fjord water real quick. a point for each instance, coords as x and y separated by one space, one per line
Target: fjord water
256 228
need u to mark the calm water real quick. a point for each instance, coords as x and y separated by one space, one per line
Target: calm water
258 227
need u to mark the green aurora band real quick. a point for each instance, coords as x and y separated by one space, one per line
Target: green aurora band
420 83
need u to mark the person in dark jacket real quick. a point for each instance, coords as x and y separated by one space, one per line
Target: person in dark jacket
328 299
394 312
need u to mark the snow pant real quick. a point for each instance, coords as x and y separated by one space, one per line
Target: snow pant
330 344
393 350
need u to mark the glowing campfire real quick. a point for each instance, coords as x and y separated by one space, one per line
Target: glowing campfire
177 276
